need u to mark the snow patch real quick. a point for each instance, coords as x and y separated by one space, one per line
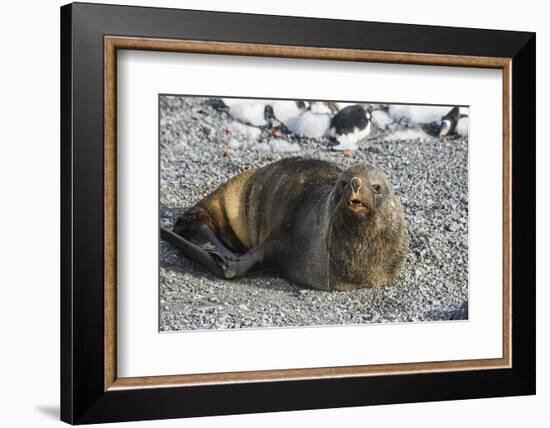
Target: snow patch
309 124
418 114
244 130
319 108
250 113
284 110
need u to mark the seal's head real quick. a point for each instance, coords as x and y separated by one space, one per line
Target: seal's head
362 192
368 239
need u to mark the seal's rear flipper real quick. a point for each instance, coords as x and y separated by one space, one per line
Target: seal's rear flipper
192 251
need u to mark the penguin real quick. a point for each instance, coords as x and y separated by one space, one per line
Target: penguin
284 110
251 112
217 104
308 124
444 127
381 117
323 107
349 126
269 115
302 105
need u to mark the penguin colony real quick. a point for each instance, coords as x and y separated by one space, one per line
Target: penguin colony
345 125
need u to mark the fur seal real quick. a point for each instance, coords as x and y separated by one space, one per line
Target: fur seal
321 227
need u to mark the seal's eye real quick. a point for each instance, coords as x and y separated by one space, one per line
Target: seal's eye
376 188
343 183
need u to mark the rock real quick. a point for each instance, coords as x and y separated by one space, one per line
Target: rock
452 227
233 144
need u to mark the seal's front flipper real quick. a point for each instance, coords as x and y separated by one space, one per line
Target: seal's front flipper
192 251
239 268
247 262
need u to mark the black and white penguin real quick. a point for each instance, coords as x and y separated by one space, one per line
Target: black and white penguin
248 111
444 127
285 109
349 126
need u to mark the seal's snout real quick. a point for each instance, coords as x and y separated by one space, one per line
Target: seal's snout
358 200
356 184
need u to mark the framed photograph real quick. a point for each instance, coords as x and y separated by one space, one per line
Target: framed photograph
266 213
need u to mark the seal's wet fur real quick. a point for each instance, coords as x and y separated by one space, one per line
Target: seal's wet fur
319 226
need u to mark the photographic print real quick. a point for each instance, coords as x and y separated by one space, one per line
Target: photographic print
355 199
293 213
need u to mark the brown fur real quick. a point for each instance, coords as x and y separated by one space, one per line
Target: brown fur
319 226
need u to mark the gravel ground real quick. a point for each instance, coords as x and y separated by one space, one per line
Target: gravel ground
198 152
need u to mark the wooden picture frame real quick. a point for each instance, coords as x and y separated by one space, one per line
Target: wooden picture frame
90 389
